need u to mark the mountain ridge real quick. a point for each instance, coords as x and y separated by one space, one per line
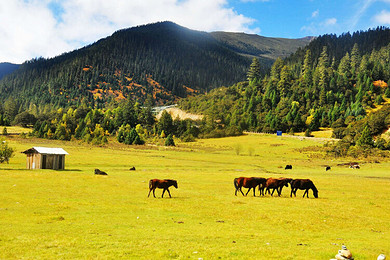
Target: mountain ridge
175 57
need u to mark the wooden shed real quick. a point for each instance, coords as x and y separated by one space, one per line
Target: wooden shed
45 158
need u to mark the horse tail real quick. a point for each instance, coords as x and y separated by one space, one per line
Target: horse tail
235 183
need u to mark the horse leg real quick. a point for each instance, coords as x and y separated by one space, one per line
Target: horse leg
254 191
154 195
241 191
279 191
261 191
306 191
149 192
169 193
272 194
162 196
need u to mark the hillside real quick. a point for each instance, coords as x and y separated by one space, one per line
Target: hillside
333 84
7 68
265 48
159 62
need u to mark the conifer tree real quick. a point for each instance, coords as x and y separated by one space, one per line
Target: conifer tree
323 64
254 70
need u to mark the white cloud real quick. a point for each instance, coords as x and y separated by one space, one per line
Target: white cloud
317 28
330 21
383 17
315 14
30 28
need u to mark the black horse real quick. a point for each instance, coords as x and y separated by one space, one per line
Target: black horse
303 184
161 184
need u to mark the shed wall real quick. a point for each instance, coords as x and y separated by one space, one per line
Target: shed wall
45 161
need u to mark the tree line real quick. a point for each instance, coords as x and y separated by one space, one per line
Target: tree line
322 88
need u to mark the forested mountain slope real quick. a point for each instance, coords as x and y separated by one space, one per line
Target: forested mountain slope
159 62
332 82
7 68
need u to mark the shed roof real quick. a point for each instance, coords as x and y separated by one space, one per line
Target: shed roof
45 150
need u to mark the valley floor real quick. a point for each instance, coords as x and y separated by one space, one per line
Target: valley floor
74 214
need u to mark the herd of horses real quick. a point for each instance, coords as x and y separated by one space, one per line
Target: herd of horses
274 184
249 183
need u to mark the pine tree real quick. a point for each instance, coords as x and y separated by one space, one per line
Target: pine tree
323 64
254 72
307 69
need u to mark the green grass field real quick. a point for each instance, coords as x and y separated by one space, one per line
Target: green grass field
73 214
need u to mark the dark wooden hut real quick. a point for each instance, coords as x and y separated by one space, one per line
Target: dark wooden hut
45 158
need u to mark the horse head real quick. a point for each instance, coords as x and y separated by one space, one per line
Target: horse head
315 191
174 183
288 181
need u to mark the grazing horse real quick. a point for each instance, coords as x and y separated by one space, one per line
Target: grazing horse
276 184
250 183
161 184
99 172
288 167
132 168
303 184
327 168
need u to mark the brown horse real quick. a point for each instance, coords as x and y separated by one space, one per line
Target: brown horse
161 184
276 184
303 184
250 183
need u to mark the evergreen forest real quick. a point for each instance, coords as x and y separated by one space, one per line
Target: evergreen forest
338 82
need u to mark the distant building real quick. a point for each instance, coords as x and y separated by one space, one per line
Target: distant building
45 158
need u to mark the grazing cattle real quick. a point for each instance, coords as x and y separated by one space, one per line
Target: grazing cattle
288 167
250 183
276 184
99 172
132 168
303 184
161 184
327 168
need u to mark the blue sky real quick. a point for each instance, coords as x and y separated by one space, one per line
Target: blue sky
294 19
47 28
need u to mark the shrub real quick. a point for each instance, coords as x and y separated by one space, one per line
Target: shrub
169 141
6 152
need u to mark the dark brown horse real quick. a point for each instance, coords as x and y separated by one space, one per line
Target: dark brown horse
303 184
276 184
250 183
161 184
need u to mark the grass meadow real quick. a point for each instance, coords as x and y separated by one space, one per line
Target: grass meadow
74 214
